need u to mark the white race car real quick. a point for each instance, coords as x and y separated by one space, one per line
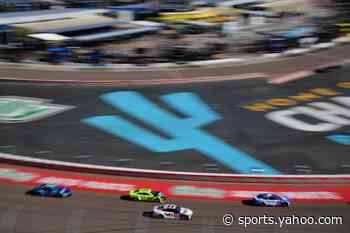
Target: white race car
172 211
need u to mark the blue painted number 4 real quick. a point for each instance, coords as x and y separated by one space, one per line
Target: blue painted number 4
184 133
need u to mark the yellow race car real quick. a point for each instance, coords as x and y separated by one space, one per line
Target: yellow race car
147 195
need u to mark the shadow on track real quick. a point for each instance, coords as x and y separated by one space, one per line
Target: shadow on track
250 203
126 198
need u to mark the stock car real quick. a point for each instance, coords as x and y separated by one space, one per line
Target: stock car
172 211
147 195
270 200
51 190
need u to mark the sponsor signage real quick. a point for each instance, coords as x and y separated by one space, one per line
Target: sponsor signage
16 109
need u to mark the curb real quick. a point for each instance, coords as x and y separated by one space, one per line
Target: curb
172 175
182 190
292 77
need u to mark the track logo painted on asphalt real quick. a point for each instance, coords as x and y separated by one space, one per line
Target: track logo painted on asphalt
16 109
183 133
333 113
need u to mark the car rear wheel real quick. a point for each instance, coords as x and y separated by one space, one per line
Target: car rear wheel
184 217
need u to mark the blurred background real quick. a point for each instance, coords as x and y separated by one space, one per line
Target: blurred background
101 32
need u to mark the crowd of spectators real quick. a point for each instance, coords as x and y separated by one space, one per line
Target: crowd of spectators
184 43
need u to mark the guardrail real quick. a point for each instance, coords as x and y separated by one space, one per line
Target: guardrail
172 175
234 60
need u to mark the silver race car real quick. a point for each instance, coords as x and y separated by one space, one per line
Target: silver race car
172 211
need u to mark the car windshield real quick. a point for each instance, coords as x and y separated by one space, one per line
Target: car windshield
268 196
176 210
262 196
274 197
45 188
156 193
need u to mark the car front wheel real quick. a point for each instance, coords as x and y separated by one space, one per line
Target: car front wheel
284 204
158 216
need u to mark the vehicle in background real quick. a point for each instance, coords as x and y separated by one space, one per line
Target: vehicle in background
51 190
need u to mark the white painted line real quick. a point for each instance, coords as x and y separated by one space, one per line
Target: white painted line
304 170
346 62
296 52
167 163
257 170
323 45
83 156
341 40
210 165
123 160
43 152
219 61
162 65
150 81
292 77
302 166
271 55
212 169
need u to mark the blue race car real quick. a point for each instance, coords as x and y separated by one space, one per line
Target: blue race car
270 200
51 190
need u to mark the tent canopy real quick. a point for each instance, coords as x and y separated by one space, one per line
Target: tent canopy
49 37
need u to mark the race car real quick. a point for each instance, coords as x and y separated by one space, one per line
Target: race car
270 200
172 211
147 195
51 190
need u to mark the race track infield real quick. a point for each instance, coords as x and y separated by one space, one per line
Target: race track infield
86 212
245 126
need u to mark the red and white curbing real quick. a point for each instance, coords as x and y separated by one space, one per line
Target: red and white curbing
158 174
292 77
178 189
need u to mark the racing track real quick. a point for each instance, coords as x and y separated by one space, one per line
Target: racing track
88 212
85 133
105 213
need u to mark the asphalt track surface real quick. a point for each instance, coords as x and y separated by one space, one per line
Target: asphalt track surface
273 68
104 213
67 137
87 212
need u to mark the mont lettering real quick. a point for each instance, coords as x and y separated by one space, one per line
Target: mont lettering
329 116
184 133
